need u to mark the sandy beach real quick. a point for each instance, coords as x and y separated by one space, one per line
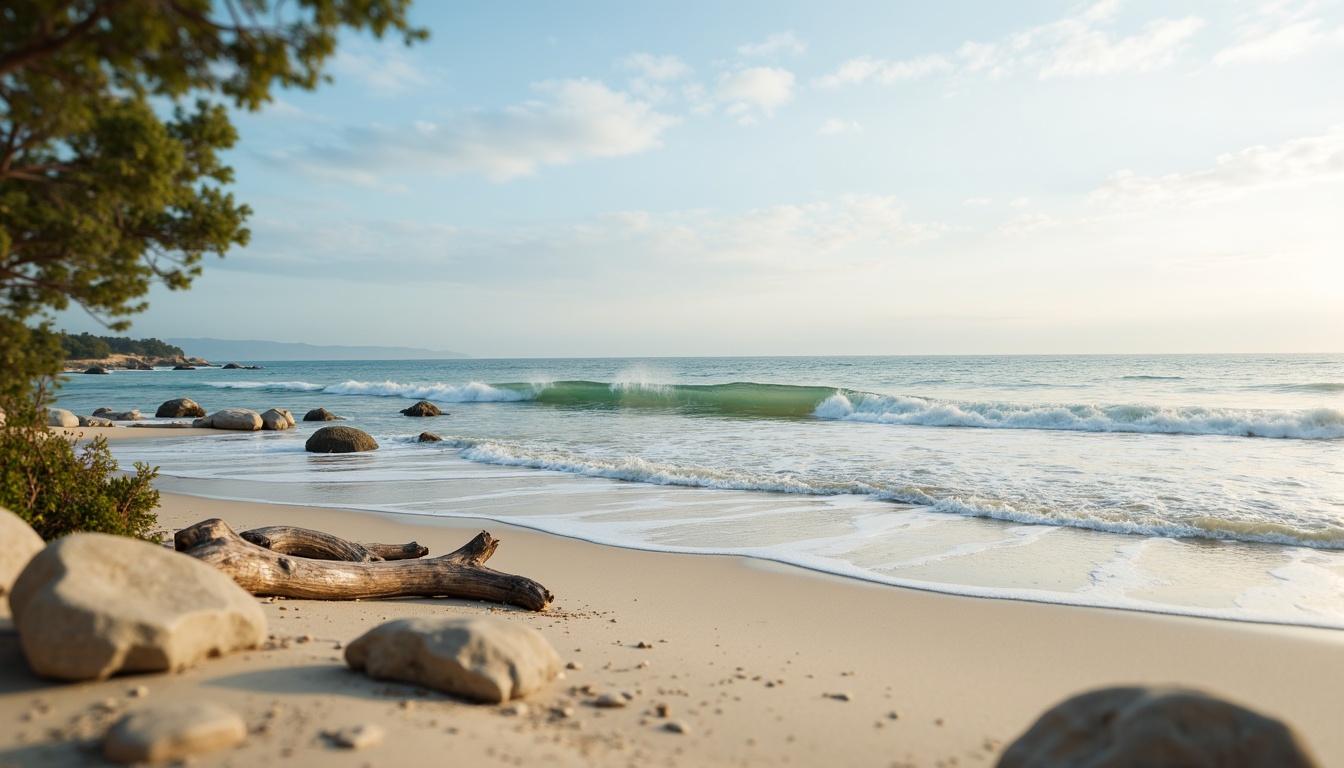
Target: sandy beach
766 664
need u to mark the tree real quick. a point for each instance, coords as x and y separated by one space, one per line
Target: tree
112 117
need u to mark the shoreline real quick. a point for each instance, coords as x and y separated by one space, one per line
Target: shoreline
966 675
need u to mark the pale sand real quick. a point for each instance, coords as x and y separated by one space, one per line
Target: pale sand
743 653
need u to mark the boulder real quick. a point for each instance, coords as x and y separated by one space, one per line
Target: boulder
18 543
422 408
173 732
340 440
90 605
277 418
481 658
95 421
1155 728
106 413
178 408
59 417
321 414
232 367
428 437
96 369
136 364
184 367
235 418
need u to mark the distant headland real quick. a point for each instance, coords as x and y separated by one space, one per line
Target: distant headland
253 350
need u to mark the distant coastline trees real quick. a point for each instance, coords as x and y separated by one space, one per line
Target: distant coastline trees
112 117
86 346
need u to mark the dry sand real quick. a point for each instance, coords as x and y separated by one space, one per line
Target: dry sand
750 656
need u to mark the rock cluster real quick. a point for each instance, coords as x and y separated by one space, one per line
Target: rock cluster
91 605
1157 728
422 408
108 413
340 440
180 408
481 658
95 421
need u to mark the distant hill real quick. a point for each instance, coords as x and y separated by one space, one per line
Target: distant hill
226 350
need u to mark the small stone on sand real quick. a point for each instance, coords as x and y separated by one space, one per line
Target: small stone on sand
574 665
842 696
677 726
360 736
172 733
519 709
609 701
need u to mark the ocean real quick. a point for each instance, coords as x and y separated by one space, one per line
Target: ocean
1202 485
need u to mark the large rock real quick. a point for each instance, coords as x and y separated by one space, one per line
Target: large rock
340 440
1155 728
95 421
481 658
232 367
179 408
422 408
136 364
428 437
184 367
321 414
18 543
277 418
59 417
173 732
96 369
108 413
232 418
91 605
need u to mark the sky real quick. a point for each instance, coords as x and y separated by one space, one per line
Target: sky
799 178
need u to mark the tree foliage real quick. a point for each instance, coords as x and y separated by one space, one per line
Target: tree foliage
86 346
113 115
59 487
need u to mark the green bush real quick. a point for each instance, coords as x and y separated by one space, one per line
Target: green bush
60 487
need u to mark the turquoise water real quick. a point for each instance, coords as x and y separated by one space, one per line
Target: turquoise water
1133 481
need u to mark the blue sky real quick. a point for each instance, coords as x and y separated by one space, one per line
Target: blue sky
577 179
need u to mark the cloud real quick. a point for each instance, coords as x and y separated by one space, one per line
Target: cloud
382 71
1276 33
754 91
653 74
1028 223
1074 46
1233 175
577 120
977 201
780 42
836 126
864 68
676 246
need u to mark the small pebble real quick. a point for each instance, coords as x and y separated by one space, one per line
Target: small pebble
676 726
574 665
138 692
842 696
662 710
518 709
358 736
644 644
609 701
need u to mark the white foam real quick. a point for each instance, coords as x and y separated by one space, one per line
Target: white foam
1313 424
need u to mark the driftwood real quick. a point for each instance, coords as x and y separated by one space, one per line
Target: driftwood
263 571
305 542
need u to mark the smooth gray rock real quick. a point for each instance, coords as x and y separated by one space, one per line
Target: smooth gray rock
235 418
90 605
277 418
422 408
340 440
173 732
95 421
1155 728
179 408
59 417
481 658
18 544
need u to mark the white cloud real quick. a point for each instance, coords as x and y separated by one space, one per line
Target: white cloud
864 68
1278 32
755 90
1021 202
1028 223
1075 46
977 201
383 71
654 74
780 42
836 126
1233 175
579 119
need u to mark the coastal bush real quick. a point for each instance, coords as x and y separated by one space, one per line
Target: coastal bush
60 487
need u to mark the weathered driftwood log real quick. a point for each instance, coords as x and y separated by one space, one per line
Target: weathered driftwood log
262 571
305 542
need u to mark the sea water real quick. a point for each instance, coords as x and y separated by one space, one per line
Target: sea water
1202 485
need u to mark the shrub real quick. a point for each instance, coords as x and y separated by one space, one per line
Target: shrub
60 487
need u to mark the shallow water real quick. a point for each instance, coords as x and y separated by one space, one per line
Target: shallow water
1208 485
